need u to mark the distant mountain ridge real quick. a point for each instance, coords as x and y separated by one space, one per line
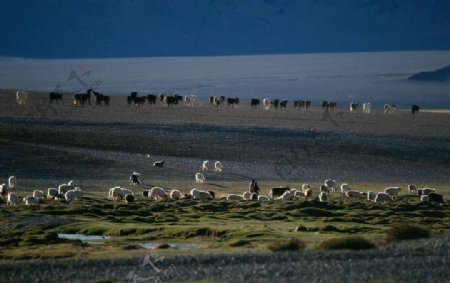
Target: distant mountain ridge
440 75
137 28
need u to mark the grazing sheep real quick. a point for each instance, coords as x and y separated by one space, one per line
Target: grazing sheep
199 178
392 191
299 194
78 193
424 198
434 197
246 195
30 200
159 163
382 197
234 197
12 182
353 194
4 190
277 192
324 189
52 193
254 196
344 188
263 198
218 166
205 165
70 195
62 189
331 184
223 197
412 189
308 192
114 193
38 194
285 196
175 194
199 194
427 191
371 196
323 197
157 193
12 199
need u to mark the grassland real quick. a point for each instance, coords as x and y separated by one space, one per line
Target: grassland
98 147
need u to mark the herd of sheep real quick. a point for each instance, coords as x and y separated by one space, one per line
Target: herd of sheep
69 193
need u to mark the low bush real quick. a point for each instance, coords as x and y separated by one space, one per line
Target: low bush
286 245
406 232
347 243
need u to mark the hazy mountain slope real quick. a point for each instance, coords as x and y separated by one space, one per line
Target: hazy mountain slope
51 28
440 75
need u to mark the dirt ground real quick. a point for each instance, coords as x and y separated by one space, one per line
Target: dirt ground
41 142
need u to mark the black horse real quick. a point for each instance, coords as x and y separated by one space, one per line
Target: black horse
55 96
101 98
81 98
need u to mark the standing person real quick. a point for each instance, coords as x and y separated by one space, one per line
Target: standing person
250 187
255 189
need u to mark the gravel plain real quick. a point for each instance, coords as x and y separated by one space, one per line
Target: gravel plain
425 260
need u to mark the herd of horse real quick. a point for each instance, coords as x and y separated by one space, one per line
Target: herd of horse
172 100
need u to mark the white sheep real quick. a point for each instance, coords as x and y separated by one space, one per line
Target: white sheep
4 190
371 196
12 199
205 165
382 197
114 192
175 194
305 186
344 188
38 194
199 178
247 195
323 197
424 198
52 193
331 184
299 194
30 200
157 193
12 182
198 194
70 195
63 188
223 197
286 196
263 198
392 191
234 197
218 166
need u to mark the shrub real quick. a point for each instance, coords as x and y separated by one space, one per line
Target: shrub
347 243
286 245
406 232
